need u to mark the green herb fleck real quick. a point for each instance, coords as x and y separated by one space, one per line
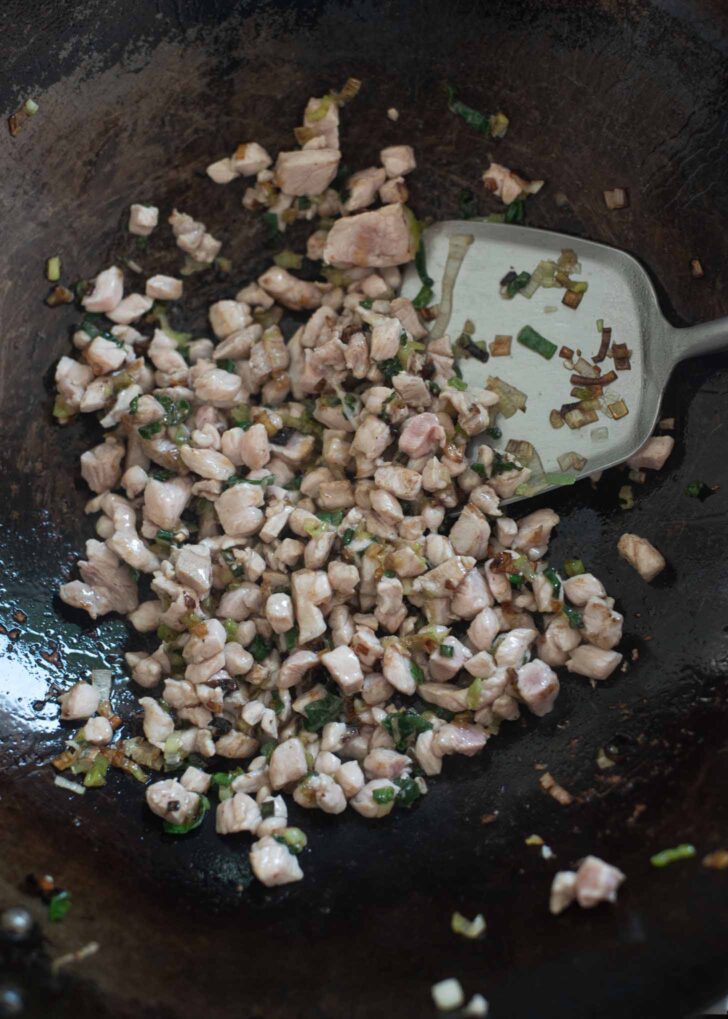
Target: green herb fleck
367 303
227 364
467 204
403 726
389 368
348 536
434 388
409 791
164 536
96 775
147 431
494 432
516 211
319 713
574 567
528 337
291 636
699 490
267 809
554 579
447 650
516 580
231 629
517 283
472 697
333 517
575 618
259 648
267 749
385 794
271 221
59 906
682 852
473 118
293 838
195 822
457 383
478 468
416 672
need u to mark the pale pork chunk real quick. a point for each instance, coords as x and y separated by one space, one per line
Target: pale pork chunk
338 599
381 238
645 558
595 881
306 172
653 454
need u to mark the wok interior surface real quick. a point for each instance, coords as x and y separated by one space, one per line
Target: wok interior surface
135 100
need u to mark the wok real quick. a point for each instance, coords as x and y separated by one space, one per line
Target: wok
135 98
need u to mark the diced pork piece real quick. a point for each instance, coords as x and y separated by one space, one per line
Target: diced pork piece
249 159
394 190
406 312
384 342
287 764
645 558
165 501
597 881
484 629
398 160
165 355
557 641
365 804
513 646
72 378
101 466
222 171
226 317
538 685
412 389
172 802
107 292
142 219
345 669
98 731
130 309
459 739
254 447
164 288
195 780
653 454
421 436
581 588
428 759
205 645
106 584
307 171
593 662
384 763
372 239
321 120
534 532
563 891
350 777
445 578
363 187
371 439
279 612
104 355
238 813
193 567
218 387
81 701
507 185
236 514
400 481
273 863
290 291
470 533
449 658
158 725
310 588
208 463
397 669
602 625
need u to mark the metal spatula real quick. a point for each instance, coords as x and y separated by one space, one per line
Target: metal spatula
619 293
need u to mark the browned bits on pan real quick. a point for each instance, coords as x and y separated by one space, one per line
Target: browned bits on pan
571 299
19 616
717 860
603 345
489 818
566 353
500 346
549 785
616 198
59 295
696 269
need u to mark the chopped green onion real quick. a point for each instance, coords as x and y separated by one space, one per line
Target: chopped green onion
304 202
166 633
553 577
134 405
473 118
478 468
516 211
416 672
288 259
267 749
434 388
271 221
468 928
685 851
367 303
231 628
404 725
528 337
389 368
423 297
494 432
293 838
294 484
59 906
575 618
517 283
348 536
147 431
259 648
447 650
195 822
383 795
467 204
421 265
574 567
164 536
96 775
31 107
333 517
516 580
472 698
227 364
319 713
53 269
457 383
626 497
409 791
699 490
291 636
276 702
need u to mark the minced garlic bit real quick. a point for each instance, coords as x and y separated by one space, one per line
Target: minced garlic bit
316 542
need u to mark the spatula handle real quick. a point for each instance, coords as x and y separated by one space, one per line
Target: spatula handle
704 338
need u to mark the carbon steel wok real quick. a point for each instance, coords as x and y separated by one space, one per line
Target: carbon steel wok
135 98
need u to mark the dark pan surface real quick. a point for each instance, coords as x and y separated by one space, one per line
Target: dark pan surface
135 98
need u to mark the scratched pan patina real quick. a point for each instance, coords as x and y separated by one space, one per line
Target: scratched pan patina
135 98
